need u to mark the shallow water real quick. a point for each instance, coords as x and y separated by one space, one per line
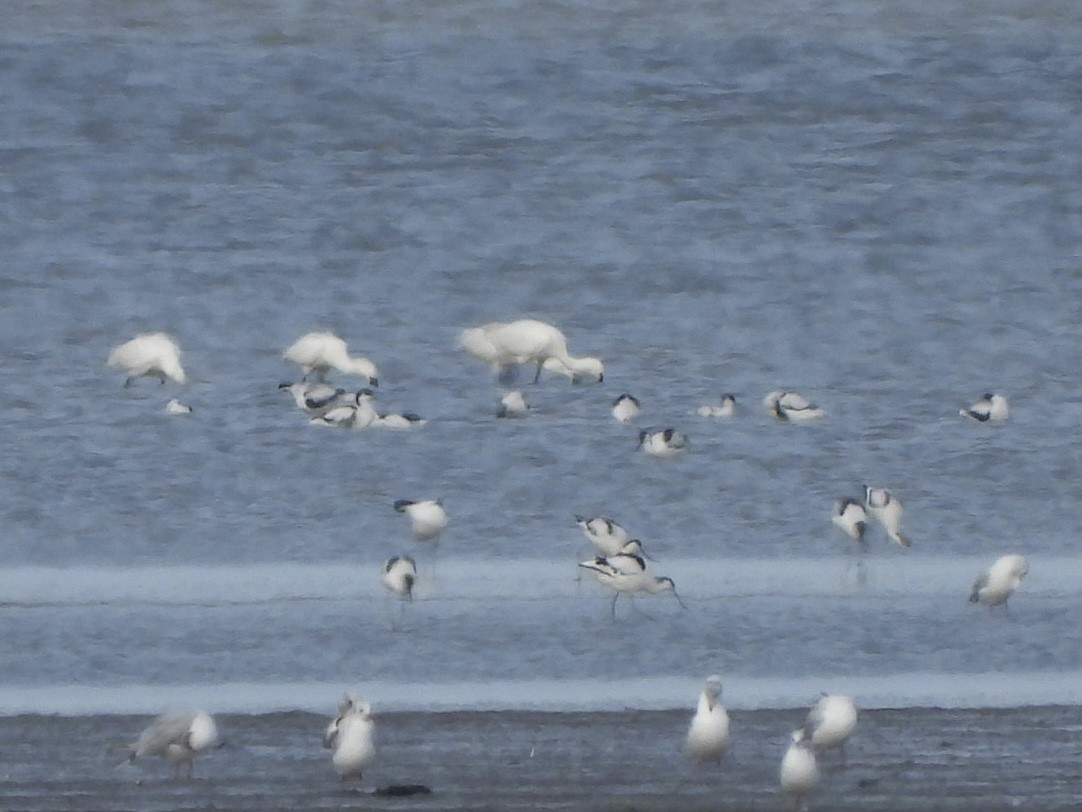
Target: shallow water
878 209
900 759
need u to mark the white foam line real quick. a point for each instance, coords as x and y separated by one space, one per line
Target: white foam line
511 579
910 690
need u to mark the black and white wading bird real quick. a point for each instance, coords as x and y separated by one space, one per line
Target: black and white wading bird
850 516
790 407
427 518
626 574
626 408
666 443
991 408
885 508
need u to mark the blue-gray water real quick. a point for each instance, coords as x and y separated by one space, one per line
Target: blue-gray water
877 207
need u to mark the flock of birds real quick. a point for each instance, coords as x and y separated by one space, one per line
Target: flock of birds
829 724
620 562
180 737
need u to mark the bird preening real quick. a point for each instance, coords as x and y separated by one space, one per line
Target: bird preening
998 583
177 737
351 736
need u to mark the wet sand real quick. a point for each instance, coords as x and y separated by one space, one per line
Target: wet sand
918 759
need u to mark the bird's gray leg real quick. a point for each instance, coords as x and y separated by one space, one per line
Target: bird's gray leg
537 375
612 610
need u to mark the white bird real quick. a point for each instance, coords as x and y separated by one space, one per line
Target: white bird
886 508
799 772
831 721
356 415
708 735
789 406
150 355
427 518
605 534
174 406
633 547
345 705
527 341
626 574
850 516
318 353
351 736
177 737
340 417
990 408
662 442
995 586
315 398
406 420
626 408
513 404
399 575
724 408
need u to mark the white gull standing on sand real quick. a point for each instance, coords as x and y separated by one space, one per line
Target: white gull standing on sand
708 734
994 587
799 773
830 723
502 345
318 353
177 737
149 355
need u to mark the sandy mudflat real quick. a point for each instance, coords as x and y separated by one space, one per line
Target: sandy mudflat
1028 758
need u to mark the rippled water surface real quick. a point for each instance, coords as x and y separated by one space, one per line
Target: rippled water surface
877 207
